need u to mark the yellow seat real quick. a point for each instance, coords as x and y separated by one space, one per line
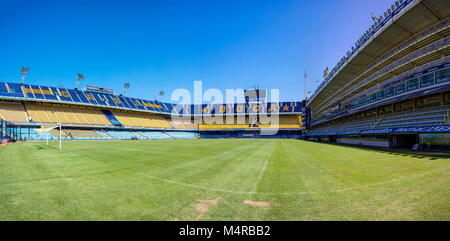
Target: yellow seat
45 113
13 112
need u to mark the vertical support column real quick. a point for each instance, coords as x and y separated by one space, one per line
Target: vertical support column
60 130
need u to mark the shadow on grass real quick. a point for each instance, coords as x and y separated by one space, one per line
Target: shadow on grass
431 155
42 147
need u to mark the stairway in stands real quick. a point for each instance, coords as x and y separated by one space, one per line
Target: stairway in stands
26 111
170 136
144 136
112 118
104 133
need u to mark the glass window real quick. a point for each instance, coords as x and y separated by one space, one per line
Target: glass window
390 91
365 100
352 104
435 139
380 95
360 102
427 80
400 88
412 84
373 98
443 76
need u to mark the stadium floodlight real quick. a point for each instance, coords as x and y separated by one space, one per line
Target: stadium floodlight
326 72
80 77
24 72
159 95
305 84
125 87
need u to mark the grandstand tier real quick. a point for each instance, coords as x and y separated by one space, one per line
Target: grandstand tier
107 116
28 119
24 92
57 113
393 87
248 122
13 112
141 119
46 113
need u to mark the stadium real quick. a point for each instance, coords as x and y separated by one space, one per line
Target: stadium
371 143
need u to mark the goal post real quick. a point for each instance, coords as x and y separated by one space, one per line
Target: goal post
47 129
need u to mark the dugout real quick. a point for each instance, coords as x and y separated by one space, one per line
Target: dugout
404 140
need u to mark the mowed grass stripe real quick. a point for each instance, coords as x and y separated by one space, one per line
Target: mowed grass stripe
234 170
160 180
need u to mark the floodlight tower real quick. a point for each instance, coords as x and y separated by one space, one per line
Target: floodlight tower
125 87
160 94
80 77
325 73
24 72
305 86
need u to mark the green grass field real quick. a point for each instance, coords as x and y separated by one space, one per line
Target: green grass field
220 180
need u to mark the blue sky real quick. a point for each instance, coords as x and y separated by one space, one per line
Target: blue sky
167 44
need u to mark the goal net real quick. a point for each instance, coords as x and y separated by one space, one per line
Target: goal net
46 133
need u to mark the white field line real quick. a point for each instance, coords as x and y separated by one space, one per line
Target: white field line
266 156
260 175
396 180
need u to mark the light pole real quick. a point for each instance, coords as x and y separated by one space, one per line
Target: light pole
60 132
160 94
24 72
305 84
125 87
80 77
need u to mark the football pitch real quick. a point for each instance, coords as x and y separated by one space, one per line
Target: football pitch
239 179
